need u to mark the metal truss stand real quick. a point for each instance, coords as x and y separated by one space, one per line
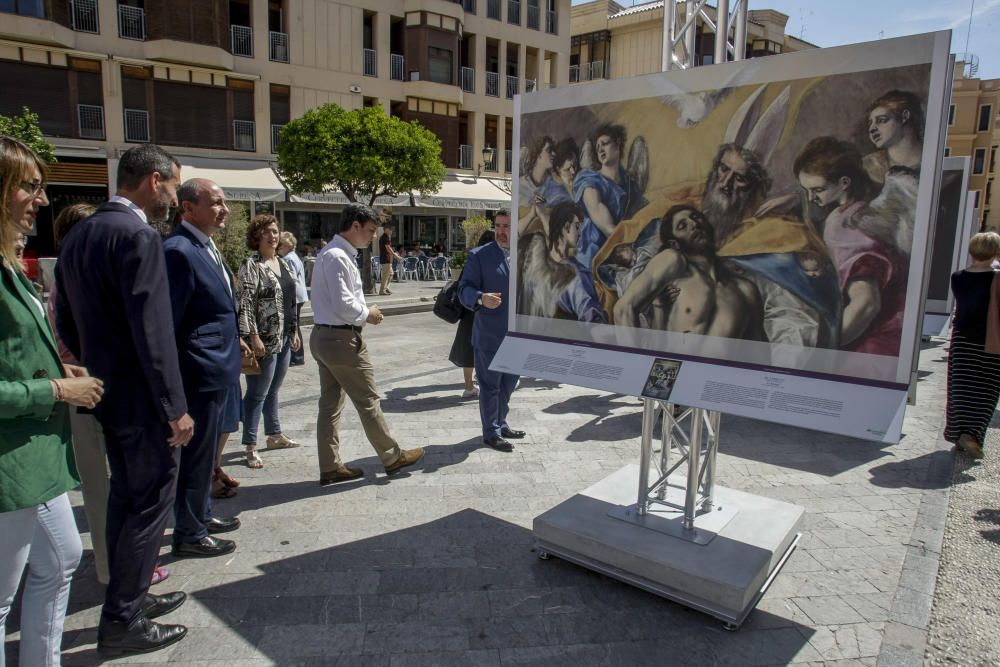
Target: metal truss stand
679 31
697 447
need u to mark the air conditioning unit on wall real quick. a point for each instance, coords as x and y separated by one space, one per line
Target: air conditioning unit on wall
414 75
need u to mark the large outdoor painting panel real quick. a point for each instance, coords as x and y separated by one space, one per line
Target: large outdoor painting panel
949 228
767 217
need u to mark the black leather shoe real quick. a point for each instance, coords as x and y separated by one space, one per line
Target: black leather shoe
144 636
498 444
206 547
154 606
216 525
511 433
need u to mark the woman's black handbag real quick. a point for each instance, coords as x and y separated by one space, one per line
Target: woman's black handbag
446 304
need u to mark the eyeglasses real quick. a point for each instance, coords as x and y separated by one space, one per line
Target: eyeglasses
33 188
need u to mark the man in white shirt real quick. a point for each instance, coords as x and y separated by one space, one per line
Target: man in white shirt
339 313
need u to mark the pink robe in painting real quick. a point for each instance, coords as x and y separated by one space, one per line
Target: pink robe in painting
859 256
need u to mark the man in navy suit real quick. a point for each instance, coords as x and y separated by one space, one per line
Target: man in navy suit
484 289
208 349
113 314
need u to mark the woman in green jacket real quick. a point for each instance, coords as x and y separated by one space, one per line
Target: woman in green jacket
36 461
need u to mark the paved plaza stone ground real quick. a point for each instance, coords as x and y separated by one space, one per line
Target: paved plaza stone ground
436 567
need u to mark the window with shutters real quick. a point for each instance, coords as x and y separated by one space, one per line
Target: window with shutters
192 115
54 93
439 64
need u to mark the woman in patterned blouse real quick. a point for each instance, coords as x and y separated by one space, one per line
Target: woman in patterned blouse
268 324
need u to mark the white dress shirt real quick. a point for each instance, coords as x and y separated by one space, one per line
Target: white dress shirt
213 251
132 205
337 294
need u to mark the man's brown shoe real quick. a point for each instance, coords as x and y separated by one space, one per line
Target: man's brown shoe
407 457
341 474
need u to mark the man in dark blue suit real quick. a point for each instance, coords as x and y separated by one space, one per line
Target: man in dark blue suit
113 313
484 289
208 349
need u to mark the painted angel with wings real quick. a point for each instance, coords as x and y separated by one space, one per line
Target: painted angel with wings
609 187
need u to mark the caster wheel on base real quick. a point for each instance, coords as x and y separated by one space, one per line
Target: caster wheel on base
544 555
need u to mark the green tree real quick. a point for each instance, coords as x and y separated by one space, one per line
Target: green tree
363 153
232 239
26 128
474 228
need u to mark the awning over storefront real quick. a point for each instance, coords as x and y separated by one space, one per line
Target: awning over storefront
461 192
240 180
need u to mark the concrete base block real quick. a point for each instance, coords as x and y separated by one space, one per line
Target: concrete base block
724 576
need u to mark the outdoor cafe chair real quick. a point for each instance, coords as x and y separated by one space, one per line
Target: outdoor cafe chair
439 269
411 268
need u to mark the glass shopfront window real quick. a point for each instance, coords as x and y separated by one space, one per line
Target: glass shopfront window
312 227
425 231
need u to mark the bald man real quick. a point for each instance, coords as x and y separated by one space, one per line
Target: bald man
208 349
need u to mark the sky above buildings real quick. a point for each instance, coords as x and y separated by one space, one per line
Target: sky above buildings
837 22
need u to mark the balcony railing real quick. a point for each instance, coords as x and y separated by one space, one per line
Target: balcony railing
533 17
91 121
514 12
508 161
491 164
243 136
530 85
279 47
397 68
493 84
468 79
84 13
469 6
275 137
371 62
592 71
131 23
465 156
551 22
513 86
136 125
241 40
493 9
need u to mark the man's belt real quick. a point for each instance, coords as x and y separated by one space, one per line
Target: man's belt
347 327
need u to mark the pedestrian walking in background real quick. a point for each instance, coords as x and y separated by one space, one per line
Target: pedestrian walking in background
37 391
340 313
386 255
462 353
286 250
113 314
973 373
484 288
269 326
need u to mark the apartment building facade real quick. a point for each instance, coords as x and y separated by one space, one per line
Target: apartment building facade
611 41
213 81
974 131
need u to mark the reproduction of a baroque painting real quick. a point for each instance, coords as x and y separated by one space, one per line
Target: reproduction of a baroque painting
764 214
